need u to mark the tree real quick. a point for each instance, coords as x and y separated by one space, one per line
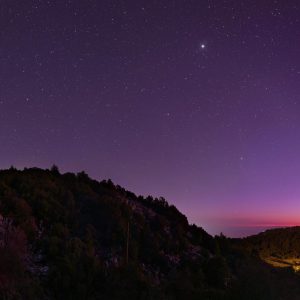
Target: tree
54 169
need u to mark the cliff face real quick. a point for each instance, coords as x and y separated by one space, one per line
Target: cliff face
66 236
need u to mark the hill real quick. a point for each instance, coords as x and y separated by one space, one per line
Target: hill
66 236
279 247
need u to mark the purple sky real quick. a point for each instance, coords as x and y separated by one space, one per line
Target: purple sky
197 101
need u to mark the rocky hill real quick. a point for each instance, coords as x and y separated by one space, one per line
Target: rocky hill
66 236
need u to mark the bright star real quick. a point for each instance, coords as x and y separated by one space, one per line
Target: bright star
202 46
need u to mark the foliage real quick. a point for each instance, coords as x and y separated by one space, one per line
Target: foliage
64 236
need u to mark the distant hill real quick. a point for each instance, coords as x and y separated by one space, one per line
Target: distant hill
282 242
279 247
67 236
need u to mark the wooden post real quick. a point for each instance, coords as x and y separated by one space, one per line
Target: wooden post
127 244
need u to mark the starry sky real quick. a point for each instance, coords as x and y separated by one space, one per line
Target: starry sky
197 101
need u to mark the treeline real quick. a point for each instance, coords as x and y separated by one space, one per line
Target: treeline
280 242
66 236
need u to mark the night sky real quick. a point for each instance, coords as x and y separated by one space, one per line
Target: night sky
196 101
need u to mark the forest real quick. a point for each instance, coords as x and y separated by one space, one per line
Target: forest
67 236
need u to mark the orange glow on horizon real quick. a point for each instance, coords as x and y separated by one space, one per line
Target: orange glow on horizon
246 220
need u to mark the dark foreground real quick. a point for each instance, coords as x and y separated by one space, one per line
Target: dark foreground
70 237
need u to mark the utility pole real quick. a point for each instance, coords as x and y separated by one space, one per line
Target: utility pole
127 244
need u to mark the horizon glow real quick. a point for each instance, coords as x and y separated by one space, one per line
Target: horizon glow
198 102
